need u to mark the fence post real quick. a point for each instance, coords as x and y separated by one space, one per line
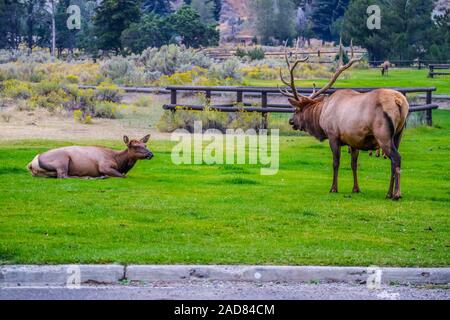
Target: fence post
173 96
208 95
264 105
239 97
173 99
429 113
431 73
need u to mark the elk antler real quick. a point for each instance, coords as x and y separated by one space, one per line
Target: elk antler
341 68
295 95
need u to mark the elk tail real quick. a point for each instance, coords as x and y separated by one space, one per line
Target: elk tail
403 109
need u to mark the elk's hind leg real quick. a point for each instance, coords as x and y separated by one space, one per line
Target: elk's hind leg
392 153
354 153
59 165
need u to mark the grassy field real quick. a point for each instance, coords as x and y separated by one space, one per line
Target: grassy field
372 78
223 214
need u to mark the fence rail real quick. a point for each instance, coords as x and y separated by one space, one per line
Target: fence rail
265 107
432 67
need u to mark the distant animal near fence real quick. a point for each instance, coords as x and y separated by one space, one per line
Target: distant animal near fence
265 107
433 67
385 68
417 63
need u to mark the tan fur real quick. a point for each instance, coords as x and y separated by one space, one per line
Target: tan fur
362 121
90 161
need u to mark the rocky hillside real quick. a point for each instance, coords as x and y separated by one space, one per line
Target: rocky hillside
234 19
441 6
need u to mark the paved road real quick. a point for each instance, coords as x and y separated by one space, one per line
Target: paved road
225 290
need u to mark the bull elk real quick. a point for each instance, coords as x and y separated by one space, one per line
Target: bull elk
362 121
94 162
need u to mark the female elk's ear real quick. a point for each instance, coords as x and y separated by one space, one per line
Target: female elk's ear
126 140
145 139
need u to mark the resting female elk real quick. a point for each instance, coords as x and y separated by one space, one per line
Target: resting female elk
92 162
362 121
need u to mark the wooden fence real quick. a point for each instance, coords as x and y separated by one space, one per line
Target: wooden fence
433 67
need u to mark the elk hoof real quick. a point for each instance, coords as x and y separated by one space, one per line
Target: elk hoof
333 190
356 190
396 196
389 196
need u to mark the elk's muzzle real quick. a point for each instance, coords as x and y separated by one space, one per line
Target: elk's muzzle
291 122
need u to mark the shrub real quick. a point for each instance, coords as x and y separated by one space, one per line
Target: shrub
87 72
46 87
82 117
37 56
8 55
108 92
122 71
240 53
107 109
269 70
21 71
256 53
246 120
144 102
183 119
16 89
71 78
261 72
51 102
181 78
170 59
230 69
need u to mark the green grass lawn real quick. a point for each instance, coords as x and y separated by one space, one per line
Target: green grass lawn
224 214
372 78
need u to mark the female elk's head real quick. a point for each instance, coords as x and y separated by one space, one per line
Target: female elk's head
301 102
137 149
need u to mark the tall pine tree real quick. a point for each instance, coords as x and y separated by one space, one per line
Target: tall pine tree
325 13
111 19
161 7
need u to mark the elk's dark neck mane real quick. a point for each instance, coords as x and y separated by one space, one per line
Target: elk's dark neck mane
311 117
124 162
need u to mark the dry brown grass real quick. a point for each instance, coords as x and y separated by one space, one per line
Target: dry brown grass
40 124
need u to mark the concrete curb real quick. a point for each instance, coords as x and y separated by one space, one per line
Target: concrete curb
32 275
36 275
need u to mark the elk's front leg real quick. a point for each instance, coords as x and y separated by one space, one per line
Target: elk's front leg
336 149
111 172
354 154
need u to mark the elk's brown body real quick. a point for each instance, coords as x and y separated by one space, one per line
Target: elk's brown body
92 162
362 121
385 68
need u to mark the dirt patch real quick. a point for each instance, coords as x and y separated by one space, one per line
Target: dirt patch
40 124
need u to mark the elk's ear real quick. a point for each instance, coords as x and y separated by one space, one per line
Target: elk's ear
145 139
126 140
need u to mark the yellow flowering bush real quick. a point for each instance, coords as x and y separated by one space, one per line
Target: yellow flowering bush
16 89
